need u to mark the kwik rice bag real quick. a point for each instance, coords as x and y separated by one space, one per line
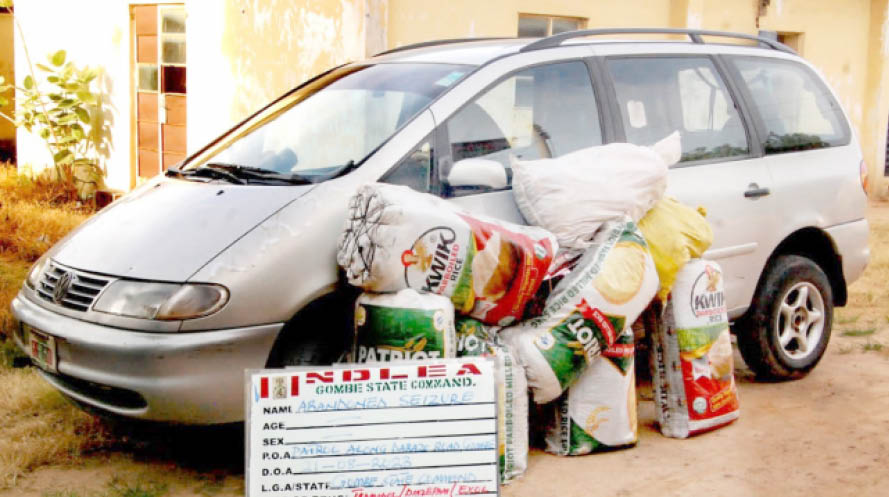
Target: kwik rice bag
599 410
474 338
610 286
397 238
403 326
691 358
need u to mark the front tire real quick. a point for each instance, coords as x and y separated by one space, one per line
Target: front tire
786 330
319 336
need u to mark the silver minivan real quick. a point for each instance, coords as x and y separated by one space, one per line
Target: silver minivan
155 306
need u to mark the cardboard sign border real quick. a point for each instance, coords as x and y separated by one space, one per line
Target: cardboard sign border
248 384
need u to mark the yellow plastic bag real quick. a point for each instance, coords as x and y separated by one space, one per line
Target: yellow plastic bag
675 233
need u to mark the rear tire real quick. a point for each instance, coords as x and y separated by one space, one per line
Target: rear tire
787 328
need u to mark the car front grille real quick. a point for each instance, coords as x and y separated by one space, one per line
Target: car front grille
78 289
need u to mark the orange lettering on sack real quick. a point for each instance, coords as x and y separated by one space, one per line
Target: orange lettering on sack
721 398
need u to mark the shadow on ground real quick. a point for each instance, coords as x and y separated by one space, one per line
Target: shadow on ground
217 449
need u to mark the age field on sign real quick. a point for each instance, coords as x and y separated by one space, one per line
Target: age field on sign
387 429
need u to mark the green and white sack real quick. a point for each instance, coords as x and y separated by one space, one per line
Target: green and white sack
474 338
403 326
599 411
609 288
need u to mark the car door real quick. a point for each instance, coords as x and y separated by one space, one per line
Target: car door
721 167
807 142
545 110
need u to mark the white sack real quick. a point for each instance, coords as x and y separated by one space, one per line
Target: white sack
572 195
397 238
599 411
477 339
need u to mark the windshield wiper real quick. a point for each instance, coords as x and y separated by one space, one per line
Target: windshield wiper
345 169
256 173
206 172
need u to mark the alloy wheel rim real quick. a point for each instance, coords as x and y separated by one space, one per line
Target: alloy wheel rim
800 321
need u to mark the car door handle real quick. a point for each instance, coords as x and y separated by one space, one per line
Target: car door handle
755 191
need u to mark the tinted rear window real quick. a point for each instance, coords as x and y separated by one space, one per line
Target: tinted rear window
796 108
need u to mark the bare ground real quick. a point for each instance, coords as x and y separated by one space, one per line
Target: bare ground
823 436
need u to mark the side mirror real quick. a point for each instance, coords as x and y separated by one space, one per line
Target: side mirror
478 172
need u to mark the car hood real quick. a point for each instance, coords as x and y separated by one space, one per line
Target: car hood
169 228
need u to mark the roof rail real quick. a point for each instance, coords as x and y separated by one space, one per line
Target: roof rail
693 34
433 43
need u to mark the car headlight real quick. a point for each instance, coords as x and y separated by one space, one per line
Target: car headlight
162 301
36 272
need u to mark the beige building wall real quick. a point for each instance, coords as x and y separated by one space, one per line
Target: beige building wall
104 45
7 70
876 112
411 21
242 55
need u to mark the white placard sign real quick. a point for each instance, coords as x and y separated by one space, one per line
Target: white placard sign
400 429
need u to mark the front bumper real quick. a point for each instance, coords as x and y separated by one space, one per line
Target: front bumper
193 377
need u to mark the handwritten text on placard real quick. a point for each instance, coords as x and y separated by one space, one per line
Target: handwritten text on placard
386 429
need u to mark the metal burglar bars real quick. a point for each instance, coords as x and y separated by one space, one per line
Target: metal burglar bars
695 35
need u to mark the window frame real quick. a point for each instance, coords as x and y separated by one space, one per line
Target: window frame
761 129
442 140
582 22
432 139
754 145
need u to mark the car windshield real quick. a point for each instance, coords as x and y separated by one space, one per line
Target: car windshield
327 127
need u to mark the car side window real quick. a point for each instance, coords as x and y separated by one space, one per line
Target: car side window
545 111
415 169
797 110
660 95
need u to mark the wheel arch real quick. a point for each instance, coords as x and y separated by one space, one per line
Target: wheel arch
817 245
329 317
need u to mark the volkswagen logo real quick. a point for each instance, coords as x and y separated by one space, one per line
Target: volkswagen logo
62 286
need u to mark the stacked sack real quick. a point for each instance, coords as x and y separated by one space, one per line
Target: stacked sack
578 348
599 410
420 261
396 238
609 287
552 304
403 326
691 361
474 338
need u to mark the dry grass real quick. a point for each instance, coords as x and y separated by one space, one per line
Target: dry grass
12 274
38 427
34 214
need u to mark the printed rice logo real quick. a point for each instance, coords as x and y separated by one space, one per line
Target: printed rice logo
432 260
706 298
713 277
